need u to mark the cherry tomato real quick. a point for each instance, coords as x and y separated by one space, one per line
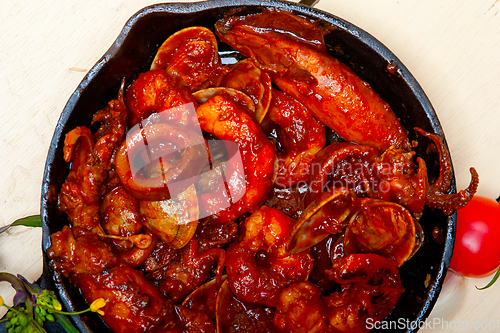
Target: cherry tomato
477 241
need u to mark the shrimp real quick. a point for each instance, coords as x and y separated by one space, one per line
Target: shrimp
258 267
224 120
157 92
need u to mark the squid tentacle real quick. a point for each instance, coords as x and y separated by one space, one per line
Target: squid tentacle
448 203
436 195
443 182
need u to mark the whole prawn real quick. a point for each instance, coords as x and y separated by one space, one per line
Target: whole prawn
223 119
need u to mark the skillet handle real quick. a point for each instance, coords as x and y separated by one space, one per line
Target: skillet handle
309 3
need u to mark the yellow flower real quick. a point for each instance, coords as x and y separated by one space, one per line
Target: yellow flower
56 304
1 301
97 305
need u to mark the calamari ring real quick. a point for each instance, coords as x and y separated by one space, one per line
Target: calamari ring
156 185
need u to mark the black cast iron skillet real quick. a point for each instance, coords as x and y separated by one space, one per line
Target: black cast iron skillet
132 53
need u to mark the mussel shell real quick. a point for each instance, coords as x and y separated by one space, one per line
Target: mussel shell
247 77
242 100
133 52
206 293
174 220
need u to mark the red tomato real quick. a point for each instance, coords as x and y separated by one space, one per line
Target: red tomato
477 242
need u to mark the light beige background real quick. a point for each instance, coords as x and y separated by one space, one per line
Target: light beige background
46 47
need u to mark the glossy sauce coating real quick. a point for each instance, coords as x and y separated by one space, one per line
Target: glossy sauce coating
333 93
302 137
284 234
223 119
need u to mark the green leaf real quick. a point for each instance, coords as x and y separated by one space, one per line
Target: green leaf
29 221
495 278
65 323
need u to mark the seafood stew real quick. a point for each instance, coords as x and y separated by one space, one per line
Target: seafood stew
398 89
